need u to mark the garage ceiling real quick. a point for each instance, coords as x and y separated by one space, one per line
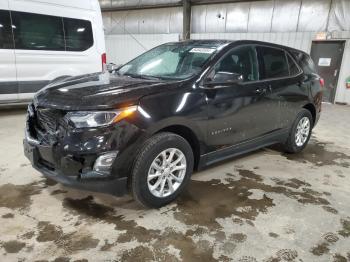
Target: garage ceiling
116 5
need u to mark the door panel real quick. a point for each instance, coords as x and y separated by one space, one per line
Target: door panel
239 111
327 56
8 79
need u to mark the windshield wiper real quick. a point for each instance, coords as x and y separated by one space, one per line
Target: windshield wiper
148 77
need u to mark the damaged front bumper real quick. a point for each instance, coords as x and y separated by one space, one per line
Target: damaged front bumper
76 170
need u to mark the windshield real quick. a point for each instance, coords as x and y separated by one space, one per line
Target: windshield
169 61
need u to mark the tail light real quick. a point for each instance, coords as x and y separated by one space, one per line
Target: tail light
104 62
322 82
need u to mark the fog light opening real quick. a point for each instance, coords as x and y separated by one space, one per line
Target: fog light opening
103 163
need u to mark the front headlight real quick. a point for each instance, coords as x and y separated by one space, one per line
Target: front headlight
81 119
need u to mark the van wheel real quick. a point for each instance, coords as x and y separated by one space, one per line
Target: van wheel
161 170
300 133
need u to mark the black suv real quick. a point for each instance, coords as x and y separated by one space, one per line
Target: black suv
176 108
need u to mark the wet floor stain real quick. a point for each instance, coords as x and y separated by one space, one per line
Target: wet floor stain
48 232
12 246
204 202
17 196
200 205
274 235
76 241
58 191
320 249
28 235
316 153
330 209
339 258
8 215
345 231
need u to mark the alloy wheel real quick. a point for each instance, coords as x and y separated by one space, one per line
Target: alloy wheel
302 132
167 172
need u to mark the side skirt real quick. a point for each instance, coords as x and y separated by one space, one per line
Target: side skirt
242 148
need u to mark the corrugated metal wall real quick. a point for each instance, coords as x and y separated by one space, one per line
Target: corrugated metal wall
244 17
123 48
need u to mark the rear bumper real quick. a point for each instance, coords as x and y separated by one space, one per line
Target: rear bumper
38 155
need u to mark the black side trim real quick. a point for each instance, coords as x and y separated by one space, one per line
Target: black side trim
8 88
31 86
242 148
21 87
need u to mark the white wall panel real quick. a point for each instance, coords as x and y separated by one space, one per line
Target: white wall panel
237 17
297 40
260 16
314 15
199 14
175 22
339 17
285 15
122 48
215 19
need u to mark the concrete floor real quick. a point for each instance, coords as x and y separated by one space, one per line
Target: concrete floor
264 206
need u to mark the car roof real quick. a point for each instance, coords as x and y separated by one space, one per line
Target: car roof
222 42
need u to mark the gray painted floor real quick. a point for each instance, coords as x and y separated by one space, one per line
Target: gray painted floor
264 206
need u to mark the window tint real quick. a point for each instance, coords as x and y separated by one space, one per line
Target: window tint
242 61
6 40
273 63
169 61
78 34
305 62
293 68
38 32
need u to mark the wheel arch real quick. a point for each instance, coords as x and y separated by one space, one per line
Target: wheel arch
312 110
189 135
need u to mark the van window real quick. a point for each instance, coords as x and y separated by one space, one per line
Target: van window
78 34
273 63
37 32
241 61
6 39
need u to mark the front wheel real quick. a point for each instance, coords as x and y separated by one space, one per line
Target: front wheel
300 132
162 170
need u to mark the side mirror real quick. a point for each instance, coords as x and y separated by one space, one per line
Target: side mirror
111 67
225 78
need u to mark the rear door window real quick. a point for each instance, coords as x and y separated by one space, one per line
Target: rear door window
79 36
273 63
38 32
6 39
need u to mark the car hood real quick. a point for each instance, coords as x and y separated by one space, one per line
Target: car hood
98 91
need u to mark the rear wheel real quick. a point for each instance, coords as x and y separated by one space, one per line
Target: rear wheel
162 170
300 133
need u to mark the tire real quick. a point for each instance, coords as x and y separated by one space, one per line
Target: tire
293 146
151 153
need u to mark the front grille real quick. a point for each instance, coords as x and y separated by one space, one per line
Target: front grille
45 124
48 119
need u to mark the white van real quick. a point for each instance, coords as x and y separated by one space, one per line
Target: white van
45 40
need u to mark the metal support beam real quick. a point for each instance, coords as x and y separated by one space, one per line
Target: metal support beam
186 19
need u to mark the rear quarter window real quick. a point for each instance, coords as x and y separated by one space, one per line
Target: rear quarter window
305 62
6 39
